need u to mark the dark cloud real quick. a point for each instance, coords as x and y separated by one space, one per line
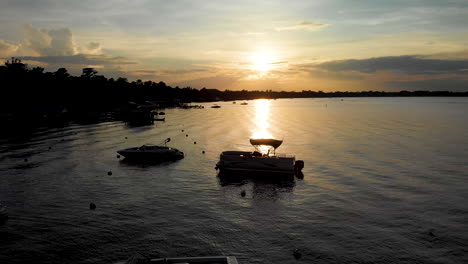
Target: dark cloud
410 65
80 59
444 84
92 48
336 75
93 45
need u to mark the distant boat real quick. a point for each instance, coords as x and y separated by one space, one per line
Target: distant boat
244 103
152 152
258 162
215 106
139 116
160 119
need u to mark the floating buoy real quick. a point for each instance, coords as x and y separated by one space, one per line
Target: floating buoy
243 193
186 135
194 142
297 254
431 233
118 156
109 173
50 147
25 160
182 130
203 152
92 206
125 137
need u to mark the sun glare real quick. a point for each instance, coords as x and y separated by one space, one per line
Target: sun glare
262 122
262 61
262 119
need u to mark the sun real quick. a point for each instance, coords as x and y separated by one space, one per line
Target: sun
261 61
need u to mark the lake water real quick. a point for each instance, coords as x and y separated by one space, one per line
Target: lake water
385 181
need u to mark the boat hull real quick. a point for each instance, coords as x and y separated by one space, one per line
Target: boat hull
132 154
244 162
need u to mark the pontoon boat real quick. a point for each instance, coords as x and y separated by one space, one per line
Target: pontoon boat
263 160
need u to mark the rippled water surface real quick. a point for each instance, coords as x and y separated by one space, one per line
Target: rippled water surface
385 181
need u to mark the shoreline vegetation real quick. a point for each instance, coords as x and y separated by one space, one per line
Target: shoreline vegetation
30 95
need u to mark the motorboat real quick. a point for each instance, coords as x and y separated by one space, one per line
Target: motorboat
263 160
152 152
244 103
215 106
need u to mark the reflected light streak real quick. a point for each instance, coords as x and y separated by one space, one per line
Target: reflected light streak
262 122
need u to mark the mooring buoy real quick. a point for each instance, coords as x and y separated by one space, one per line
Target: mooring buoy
297 254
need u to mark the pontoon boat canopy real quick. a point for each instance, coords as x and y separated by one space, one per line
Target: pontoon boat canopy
266 142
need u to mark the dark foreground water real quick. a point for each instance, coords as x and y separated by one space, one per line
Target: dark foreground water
385 181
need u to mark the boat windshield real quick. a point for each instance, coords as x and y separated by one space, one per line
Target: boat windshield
152 147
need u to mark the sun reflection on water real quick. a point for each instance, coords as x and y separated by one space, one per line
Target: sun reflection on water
262 122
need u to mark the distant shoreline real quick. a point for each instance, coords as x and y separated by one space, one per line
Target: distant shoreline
31 95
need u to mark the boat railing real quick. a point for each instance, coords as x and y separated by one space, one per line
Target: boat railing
281 155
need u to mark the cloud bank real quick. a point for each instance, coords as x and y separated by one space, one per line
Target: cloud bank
409 65
80 59
8 48
54 42
56 48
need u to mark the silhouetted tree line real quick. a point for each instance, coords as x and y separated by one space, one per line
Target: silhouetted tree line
31 91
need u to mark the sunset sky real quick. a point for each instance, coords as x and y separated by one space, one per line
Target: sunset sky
329 45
